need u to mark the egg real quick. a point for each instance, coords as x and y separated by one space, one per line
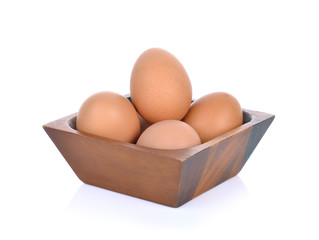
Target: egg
110 115
214 114
160 87
169 134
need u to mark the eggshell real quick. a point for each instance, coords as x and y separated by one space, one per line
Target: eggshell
169 134
160 87
214 114
109 115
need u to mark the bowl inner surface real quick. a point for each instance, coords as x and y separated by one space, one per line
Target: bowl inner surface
72 123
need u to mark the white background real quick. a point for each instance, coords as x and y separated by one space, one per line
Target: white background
54 54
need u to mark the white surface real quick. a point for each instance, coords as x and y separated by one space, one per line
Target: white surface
54 54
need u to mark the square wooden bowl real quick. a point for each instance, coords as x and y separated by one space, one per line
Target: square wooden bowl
168 177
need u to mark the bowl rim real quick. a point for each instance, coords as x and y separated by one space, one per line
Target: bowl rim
64 124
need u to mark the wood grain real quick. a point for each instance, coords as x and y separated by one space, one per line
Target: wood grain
169 177
223 162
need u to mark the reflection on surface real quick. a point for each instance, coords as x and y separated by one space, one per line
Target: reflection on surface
94 202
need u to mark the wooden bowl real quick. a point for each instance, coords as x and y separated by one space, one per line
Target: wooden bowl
168 177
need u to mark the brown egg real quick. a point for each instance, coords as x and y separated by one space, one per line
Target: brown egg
109 115
214 114
169 134
160 87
